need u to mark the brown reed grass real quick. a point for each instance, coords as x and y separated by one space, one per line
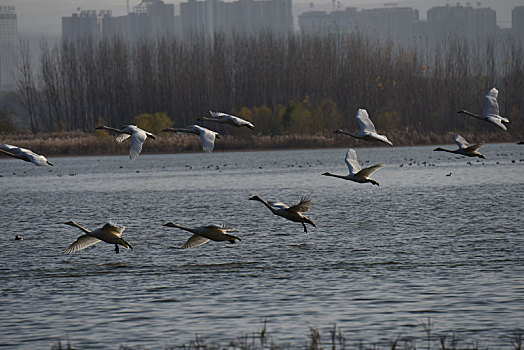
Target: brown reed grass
79 143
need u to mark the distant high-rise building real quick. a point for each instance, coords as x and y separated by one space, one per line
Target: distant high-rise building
517 22
149 19
384 23
81 25
8 45
241 16
463 21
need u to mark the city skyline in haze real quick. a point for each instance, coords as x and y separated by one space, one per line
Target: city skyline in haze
35 18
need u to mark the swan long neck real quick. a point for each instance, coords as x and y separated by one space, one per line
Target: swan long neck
444 150
73 223
266 204
111 129
335 175
183 130
463 111
345 133
172 224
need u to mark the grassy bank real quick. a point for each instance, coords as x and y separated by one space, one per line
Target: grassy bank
335 339
78 143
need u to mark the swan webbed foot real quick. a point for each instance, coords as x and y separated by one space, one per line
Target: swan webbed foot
117 250
305 228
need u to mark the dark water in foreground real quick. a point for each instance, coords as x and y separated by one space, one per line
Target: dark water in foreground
381 261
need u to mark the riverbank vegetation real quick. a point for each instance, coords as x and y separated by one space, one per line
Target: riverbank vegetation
335 339
286 85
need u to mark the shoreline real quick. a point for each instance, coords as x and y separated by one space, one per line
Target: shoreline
96 143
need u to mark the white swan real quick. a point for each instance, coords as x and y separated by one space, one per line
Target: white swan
355 173
491 110
109 233
465 148
138 137
206 136
24 154
367 129
204 234
227 119
293 213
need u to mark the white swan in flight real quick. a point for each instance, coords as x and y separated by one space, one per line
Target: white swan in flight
228 119
491 110
293 213
138 137
367 129
109 233
204 234
465 148
355 172
23 154
206 136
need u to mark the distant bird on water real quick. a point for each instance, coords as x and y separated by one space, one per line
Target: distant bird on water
219 117
367 129
204 234
206 136
109 233
293 213
465 148
355 172
24 154
138 137
491 110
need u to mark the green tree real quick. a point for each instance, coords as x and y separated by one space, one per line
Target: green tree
154 123
326 116
6 124
385 119
265 121
295 118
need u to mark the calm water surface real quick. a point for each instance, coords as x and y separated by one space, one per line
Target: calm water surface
380 262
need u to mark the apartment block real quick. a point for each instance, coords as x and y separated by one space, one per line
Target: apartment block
8 46
149 19
242 16
471 23
517 22
383 23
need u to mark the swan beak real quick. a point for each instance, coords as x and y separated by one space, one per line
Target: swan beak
169 224
217 136
49 163
253 198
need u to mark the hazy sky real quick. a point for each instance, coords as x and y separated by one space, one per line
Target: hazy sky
45 16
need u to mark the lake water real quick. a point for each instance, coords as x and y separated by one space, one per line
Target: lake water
380 262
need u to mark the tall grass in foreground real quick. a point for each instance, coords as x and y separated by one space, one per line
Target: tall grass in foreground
334 339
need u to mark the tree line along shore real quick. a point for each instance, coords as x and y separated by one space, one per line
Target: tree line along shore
285 85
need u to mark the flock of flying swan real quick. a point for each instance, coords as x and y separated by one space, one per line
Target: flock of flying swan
111 233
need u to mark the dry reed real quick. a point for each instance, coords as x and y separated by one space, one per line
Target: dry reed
79 143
